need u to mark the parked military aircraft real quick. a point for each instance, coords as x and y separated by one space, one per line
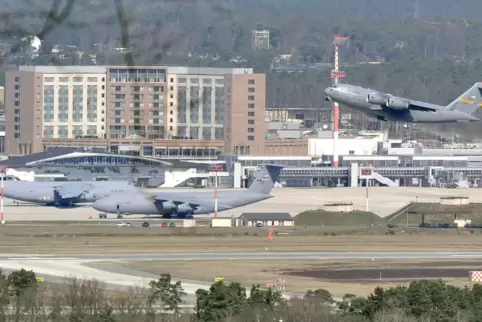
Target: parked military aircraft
186 204
387 107
64 193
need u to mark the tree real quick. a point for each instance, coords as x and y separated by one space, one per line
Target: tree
22 286
267 298
320 294
170 294
220 302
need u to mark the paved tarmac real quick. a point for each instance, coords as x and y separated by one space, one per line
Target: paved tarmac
382 201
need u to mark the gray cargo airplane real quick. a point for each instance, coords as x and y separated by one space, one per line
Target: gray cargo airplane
387 107
186 204
64 194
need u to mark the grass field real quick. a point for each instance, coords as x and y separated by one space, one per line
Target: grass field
98 238
436 213
338 277
326 218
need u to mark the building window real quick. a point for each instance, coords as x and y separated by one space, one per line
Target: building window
17 103
251 89
17 79
17 95
251 97
17 135
78 79
17 87
251 82
251 130
250 122
250 113
63 79
251 138
251 105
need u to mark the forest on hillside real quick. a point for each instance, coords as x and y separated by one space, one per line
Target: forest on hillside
428 50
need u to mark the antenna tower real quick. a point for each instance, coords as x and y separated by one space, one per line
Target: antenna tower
336 74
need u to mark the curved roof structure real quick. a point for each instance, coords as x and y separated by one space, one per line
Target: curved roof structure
71 156
93 158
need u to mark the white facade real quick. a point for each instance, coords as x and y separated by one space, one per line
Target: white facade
352 146
269 223
223 222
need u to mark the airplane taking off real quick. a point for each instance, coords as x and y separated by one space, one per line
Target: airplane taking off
387 107
186 204
63 194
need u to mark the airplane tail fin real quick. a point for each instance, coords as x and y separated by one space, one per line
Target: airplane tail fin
469 101
266 178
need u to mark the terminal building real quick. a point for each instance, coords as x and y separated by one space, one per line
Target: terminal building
237 171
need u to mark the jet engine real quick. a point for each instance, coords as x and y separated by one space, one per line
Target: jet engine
376 99
169 206
397 103
184 209
171 209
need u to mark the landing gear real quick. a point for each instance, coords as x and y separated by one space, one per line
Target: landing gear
119 216
102 216
381 118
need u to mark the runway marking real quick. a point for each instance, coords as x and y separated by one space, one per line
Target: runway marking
41 258
470 256
149 259
323 258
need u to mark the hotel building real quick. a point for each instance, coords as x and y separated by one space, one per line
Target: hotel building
146 110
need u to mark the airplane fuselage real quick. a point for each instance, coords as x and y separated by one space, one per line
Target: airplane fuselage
355 97
141 204
44 192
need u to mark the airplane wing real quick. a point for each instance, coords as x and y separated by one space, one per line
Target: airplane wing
70 190
193 200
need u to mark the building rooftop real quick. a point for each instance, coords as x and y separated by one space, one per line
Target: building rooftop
208 70
21 161
64 69
255 216
104 69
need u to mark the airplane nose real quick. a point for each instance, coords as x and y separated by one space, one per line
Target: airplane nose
102 205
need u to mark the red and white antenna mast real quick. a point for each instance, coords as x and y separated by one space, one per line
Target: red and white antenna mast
216 168
336 74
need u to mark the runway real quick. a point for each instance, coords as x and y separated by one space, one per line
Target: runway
267 255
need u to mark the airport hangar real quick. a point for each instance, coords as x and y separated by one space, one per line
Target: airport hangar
366 161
